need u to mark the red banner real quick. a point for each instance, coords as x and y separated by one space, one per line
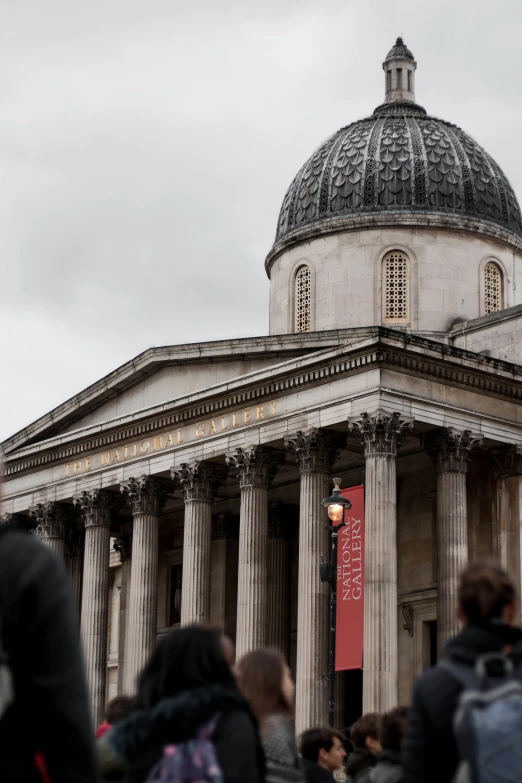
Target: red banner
350 584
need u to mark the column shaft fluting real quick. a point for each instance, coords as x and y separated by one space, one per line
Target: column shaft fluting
452 546
381 433
95 595
278 635
380 586
145 496
253 466
197 542
142 600
75 571
252 571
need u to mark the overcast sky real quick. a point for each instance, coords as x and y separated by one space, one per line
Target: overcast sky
146 146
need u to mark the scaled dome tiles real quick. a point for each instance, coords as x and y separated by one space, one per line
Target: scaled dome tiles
399 159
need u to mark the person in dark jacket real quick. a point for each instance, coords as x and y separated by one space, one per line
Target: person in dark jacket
47 727
187 683
323 753
486 604
364 736
389 762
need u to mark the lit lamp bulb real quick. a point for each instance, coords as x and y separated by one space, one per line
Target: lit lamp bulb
335 512
336 504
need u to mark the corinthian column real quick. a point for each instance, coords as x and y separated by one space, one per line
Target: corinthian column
380 433
315 453
507 533
254 466
145 496
50 520
278 633
198 482
449 450
96 506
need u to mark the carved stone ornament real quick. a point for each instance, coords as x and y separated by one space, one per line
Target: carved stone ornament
450 449
314 449
407 613
145 494
123 545
506 461
49 519
96 506
199 480
381 432
255 465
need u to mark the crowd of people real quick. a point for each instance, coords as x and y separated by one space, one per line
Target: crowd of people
200 716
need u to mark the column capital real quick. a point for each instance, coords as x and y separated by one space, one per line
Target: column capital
381 432
255 465
450 448
50 519
506 460
145 494
314 449
199 480
96 506
123 545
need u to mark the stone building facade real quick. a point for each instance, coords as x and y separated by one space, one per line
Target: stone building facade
186 486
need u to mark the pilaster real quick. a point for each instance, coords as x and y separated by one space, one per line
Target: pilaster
381 433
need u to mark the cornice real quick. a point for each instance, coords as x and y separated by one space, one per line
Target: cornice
386 348
400 219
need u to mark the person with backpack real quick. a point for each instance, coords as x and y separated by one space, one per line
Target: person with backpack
190 722
436 740
265 681
389 762
46 730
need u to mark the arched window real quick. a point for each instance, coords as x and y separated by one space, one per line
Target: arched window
492 288
303 300
396 288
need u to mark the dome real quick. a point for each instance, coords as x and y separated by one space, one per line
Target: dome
398 162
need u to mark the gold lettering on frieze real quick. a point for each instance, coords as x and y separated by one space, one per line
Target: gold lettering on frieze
203 429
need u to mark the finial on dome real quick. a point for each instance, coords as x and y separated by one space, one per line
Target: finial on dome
399 68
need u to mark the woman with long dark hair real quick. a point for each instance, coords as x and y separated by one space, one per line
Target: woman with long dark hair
486 607
264 680
186 686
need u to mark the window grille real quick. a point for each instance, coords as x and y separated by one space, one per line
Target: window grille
388 80
492 288
409 81
303 300
396 288
399 78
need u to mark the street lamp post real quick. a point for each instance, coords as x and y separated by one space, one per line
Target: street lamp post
336 506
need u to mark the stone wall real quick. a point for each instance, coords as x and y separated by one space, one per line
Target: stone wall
446 267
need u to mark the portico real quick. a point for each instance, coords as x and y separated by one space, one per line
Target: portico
224 523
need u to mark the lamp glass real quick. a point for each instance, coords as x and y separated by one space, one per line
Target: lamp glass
335 512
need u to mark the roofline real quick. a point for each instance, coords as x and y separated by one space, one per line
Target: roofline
148 362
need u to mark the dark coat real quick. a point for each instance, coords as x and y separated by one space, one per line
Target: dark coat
388 768
314 773
359 764
429 753
40 633
131 748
